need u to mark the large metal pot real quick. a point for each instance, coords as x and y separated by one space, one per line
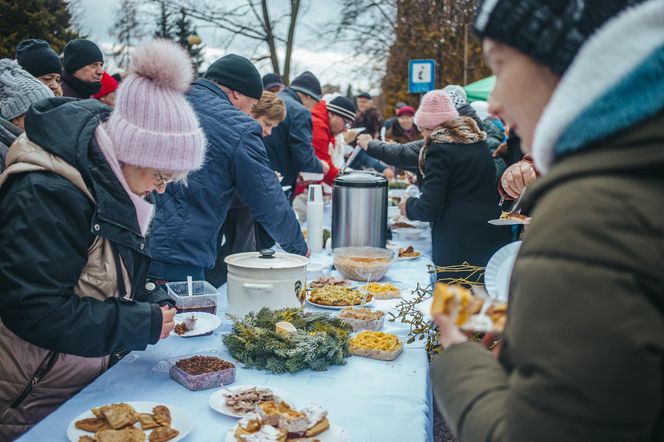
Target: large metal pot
265 279
359 210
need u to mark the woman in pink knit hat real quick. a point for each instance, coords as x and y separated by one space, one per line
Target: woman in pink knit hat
457 184
74 211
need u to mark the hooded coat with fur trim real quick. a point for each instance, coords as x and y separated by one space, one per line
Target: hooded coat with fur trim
459 195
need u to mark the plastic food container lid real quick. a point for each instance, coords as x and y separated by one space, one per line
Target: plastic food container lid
267 259
361 179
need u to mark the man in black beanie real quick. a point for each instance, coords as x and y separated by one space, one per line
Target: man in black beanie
273 83
83 68
236 169
239 79
38 59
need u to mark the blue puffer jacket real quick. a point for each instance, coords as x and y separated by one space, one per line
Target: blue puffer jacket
188 218
289 146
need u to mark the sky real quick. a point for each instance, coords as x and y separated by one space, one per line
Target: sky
330 63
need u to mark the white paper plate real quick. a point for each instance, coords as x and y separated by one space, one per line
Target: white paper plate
206 322
311 176
508 222
333 434
218 402
180 420
499 270
408 258
408 233
339 307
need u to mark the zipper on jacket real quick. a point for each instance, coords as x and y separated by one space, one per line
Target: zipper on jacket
43 369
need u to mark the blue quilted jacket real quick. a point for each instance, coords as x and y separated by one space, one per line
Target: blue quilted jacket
188 217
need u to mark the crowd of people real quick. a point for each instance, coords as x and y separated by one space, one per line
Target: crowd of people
113 185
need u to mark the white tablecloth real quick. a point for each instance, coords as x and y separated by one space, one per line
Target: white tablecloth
373 401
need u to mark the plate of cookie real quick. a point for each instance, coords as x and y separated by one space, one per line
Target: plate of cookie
135 421
240 400
281 422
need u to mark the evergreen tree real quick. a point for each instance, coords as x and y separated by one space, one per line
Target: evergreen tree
187 36
164 22
49 20
349 91
128 31
436 29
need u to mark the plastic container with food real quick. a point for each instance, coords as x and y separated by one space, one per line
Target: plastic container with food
362 263
375 345
363 318
201 371
203 297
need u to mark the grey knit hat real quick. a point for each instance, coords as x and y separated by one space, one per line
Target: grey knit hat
18 89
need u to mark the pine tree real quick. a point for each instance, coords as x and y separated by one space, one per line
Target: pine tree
187 36
164 22
128 31
436 29
49 20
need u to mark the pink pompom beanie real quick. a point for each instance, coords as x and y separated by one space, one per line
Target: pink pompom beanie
152 124
435 109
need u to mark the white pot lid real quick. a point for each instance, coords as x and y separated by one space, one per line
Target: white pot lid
266 259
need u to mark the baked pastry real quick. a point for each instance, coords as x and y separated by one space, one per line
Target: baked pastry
456 302
187 325
408 252
91 424
162 415
119 415
376 345
514 216
244 401
129 434
87 439
294 422
498 315
269 411
147 421
162 434
382 290
317 420
266 433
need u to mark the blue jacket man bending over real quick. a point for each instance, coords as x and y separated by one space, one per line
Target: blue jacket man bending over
189 217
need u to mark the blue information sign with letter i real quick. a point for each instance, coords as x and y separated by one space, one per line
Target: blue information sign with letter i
421 76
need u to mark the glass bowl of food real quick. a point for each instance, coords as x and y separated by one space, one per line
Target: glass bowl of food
363 263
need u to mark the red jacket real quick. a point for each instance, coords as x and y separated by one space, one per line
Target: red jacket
321 139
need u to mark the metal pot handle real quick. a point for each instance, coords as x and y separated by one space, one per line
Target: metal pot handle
258 288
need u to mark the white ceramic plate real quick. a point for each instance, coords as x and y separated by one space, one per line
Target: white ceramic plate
218 402
333 434
339 307
180 420
499 270
206 322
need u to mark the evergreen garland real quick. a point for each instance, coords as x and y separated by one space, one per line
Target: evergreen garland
320 341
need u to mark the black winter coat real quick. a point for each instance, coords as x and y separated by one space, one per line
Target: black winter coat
48 224
459 196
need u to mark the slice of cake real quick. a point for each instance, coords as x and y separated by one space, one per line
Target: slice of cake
294 422
318 422
269 411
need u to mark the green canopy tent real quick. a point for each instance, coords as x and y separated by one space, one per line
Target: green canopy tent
480 89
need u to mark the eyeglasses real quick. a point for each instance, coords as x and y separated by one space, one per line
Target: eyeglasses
160 180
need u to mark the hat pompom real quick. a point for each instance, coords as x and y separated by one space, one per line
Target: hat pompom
165 63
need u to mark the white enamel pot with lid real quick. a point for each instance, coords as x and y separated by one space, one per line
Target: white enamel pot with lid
265 279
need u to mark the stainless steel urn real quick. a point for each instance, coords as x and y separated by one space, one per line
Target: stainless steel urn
359 210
